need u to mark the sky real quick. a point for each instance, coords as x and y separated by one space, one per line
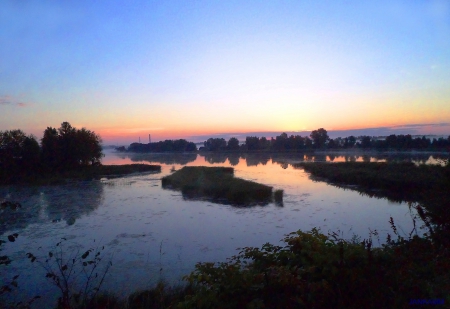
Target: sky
192 69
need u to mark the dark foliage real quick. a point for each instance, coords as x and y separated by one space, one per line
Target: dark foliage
19 154
69 148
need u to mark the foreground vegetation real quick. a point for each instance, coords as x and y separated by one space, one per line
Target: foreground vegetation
218 184
311 270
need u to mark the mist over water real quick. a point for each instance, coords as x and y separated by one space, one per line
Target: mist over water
151 233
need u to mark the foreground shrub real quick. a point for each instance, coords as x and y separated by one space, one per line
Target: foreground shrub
318 271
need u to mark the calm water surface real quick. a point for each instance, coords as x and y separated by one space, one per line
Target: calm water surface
151 233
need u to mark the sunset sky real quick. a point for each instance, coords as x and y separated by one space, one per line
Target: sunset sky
180 69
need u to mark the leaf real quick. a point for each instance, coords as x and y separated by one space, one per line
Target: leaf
64 268
50 254
11 238
85 255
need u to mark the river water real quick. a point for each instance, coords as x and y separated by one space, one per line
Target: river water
150 233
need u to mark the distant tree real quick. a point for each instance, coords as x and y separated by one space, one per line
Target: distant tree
349 142
332 144
319 137
281 142
391 141
308 142
233 144
264 143
191 147
215 144
252 142
366 142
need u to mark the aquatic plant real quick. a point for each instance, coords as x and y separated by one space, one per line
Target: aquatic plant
278 197
78 276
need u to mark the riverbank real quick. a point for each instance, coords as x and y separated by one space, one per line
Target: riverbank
82 173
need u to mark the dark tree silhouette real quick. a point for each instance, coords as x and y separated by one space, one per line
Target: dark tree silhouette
366 142
320 137
215 144
233 144
18 152
68 148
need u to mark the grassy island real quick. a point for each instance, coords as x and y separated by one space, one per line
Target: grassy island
217 184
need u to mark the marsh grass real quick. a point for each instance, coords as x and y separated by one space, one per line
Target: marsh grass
278 197
217 184
401 181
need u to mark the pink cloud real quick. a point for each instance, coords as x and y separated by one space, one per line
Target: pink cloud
8 100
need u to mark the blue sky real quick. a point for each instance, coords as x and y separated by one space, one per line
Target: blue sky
187 68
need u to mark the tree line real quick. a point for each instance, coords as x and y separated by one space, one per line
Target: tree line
60 149
179 145
319 139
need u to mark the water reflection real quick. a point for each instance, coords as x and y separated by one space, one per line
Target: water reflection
155 158
255 159
50 203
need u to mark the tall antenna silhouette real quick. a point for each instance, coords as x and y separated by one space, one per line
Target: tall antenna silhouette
139 139
149 139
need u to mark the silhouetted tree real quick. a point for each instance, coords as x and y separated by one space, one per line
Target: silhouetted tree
233 144
18 152
252 142
68 148
320 137
349 142
89 150
215 144
332 144
366 142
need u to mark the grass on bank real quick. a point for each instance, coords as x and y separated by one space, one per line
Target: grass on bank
217 184
82 173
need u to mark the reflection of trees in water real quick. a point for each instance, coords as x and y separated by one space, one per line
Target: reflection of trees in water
51 203
162 158
257 158
233 158
70 202
215 157
21 217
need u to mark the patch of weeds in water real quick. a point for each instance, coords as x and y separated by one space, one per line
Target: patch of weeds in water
78 276
278 197
217 184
